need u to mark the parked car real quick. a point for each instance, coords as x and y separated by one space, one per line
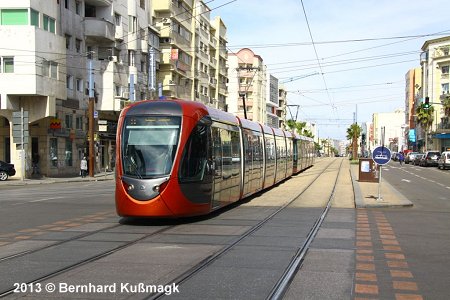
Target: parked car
6 170
394 156
430 158
417 158
410 157
444 160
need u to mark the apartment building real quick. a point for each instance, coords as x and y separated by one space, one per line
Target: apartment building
62 55
282 106
247 85
435 64
413 86
52 49
194 54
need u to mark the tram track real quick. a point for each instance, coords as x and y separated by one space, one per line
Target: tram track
79 263
281 286
180 279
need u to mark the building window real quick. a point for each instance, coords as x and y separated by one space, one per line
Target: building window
68 38
34 18
117 90
132 24
69 121
78 8
78 45
69 82
14 17
79 85
142 4
117 19
445 88
8 64
131 57
50 69
79 123
49 24
53 152
68 153
66 4
90 11
444 69
53 70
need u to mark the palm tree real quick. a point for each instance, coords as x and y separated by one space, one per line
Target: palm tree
299 127
353 133
425 116
446 104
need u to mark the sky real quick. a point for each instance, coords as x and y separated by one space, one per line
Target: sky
352 55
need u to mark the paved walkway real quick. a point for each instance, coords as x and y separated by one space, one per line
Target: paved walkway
14 181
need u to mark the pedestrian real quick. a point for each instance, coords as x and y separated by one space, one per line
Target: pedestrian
83 167
401 158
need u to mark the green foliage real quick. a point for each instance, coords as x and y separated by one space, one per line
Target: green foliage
353 133
425 115
446 104
299 127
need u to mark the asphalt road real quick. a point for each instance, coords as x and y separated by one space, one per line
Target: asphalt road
424 229
37 205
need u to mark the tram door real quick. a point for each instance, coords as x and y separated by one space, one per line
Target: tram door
217 166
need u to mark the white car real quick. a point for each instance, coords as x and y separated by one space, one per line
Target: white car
444 160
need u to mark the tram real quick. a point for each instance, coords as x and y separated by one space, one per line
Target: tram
177 158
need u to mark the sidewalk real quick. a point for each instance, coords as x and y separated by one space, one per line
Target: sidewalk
366 193
13 181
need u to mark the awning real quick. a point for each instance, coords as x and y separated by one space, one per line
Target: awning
442 136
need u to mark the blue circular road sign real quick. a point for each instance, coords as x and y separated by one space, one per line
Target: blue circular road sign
381 155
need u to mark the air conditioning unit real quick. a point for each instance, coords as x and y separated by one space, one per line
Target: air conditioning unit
112 58
126 95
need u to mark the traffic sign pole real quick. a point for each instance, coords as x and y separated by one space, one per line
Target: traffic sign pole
381 156
379 185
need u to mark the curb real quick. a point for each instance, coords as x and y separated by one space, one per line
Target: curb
399 201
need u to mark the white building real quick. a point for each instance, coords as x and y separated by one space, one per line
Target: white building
393 124
247 84
435 63
51 49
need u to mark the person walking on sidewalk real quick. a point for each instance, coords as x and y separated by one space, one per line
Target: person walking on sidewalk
401 158
83 167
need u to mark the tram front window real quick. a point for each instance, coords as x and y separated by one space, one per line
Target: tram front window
149 145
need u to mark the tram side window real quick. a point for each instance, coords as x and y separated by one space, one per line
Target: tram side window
194 158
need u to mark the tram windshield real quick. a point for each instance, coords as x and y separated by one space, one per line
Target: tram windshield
149 144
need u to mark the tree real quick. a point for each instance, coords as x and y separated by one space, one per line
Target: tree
353 133
299 127
446 104
425 117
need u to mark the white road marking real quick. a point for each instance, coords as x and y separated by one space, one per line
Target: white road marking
39 200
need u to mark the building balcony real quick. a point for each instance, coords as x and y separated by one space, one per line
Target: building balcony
99 30
441 52
444 95
99 2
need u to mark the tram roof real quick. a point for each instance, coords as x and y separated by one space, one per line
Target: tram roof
252 125
222 116
278 132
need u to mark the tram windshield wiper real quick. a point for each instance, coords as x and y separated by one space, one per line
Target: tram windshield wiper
133 164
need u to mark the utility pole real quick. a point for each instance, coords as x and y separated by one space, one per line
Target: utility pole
243 94
91 116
